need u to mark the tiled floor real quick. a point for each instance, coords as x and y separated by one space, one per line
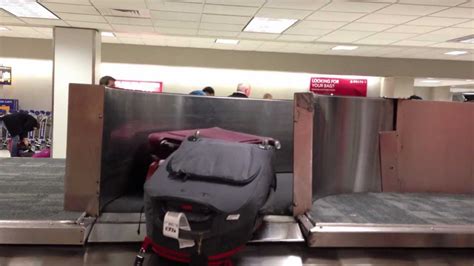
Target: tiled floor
261 254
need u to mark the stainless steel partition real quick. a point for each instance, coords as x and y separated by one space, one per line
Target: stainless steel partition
130 116
346 143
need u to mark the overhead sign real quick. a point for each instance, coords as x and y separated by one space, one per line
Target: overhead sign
8 105
136 85
339 86
5 75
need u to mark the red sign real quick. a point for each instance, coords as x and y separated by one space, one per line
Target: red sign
136 85
338 86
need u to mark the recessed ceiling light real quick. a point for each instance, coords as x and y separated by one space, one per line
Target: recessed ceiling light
269 25
27 9
430 81
227 41
4 29
456 53
465 39
468 41
107 34
344 48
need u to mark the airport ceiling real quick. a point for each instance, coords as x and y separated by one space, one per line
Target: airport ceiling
379 28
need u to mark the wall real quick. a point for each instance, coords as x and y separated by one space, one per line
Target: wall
282 85
442 94
31 83
424 92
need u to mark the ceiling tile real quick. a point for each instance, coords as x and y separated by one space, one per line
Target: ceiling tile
239 20
120 4
334 16
433 2
4 13
456 12
254 3
393 36
324 25
297 4
467 4
433 21
454 45
366 27
258 36
413 43
72 2
10 21
176 7
296 38
217 26
282 13
416 10
109 40
132 28
412 29
444 34
386 19
230 10
45 22
218 33
90 25
179 16
375 41
272 46
469 25
306 31
76 9
176 31
176 24
247 44
343 6
81 17
344 36
129 21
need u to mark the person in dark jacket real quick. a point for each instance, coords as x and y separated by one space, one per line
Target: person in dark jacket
243 91
18 125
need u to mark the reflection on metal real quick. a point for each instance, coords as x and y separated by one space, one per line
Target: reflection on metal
427 136
346 143
42 232
84 140
303 116
278 229
120 227
130 116
389 235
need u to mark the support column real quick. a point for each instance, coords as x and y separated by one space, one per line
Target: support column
397 87
76 60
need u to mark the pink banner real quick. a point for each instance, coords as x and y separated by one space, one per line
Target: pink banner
136 85
339 86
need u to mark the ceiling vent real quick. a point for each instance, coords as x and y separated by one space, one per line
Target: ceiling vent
128 13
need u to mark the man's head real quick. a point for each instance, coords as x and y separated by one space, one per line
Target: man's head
245 88
107 81
267 96
415 97
209 91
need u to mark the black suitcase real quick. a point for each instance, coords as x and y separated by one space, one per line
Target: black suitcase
219 187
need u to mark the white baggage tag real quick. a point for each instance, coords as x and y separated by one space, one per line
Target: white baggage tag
173 222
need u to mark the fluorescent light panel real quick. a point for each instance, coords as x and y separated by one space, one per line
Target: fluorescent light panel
107 34
4 29
468 41
227 41
456 53
26 9
269 25
430 81
344 48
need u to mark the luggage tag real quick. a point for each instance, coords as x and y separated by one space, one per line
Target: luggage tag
173 222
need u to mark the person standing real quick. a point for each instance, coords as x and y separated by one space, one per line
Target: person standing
18 125
243 91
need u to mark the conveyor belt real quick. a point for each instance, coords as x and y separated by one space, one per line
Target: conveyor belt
394 208
390 220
